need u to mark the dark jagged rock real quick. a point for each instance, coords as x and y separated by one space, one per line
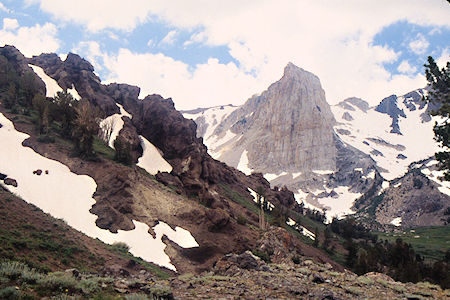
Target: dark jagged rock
77 72
130 135
170 180
389 106
10 181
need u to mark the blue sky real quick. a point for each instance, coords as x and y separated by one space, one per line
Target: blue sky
203 53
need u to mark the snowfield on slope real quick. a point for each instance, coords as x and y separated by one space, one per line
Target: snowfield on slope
212 117
52 87
66 195
152 160
370 132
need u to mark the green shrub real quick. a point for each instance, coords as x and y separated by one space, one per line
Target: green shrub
120 247
58 282
261 254
12 269
10 293
161 292
241 220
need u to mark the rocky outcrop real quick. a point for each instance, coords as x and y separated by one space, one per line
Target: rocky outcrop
131 136
77 72
389 106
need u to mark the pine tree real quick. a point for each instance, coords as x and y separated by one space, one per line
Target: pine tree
439 94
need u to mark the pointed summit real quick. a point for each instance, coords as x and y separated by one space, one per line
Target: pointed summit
294 73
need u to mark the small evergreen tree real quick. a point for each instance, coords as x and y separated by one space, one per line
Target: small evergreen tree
85 128
123 151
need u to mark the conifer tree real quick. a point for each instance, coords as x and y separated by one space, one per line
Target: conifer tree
439 95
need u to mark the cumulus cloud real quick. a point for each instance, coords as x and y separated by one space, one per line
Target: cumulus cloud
29 40
160 74
406 68
419 45
10 24
331 39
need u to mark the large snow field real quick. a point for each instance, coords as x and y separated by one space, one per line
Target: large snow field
415 143
152 160
68 196
52 87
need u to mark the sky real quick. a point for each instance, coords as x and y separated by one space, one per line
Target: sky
204 53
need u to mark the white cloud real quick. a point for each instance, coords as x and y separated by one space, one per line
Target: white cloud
150 43
419 45
10 24
406 68
92 52
444 58
30 40
332 39
172 78
169 39
4 8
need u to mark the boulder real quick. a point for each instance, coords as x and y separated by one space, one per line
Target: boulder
10 181
218 219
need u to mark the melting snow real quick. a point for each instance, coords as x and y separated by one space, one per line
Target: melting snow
243 164
116 122
341 205
397 221
272 176
213 117
52 87
444 186
323 172
74 93
152 160
301 229
66 195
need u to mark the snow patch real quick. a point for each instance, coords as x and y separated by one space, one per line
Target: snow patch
180 236
397 221
301 229
323 172
116 122
341 205
66 195
52 87
152 160
243 164
273 176
74 93
444 186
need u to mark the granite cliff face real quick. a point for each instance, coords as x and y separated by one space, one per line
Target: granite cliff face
287 133
288 127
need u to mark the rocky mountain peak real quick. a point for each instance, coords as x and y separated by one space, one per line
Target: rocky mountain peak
292 72
290 122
